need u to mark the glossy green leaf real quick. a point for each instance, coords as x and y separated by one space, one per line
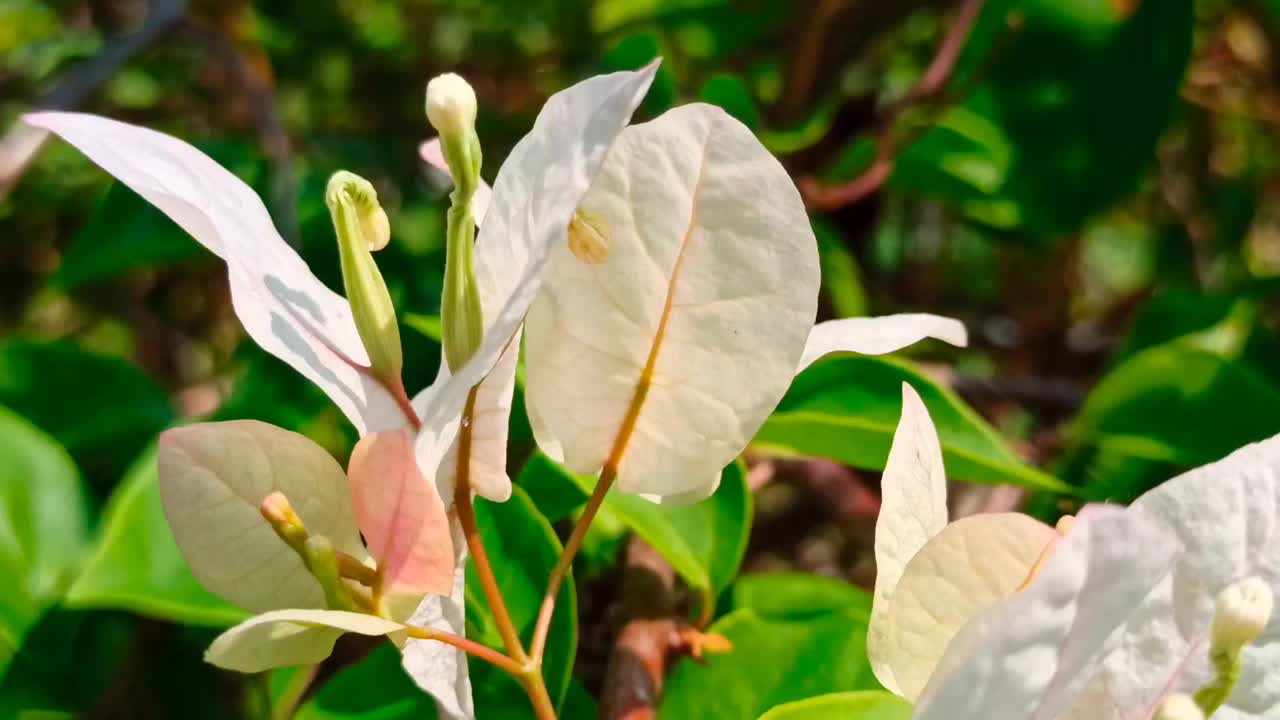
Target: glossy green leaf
65 391
135 564
522 548
42 527
789 595
846 409
1179 404
773 662
1028 148
731 93
375 688
704 541
865 705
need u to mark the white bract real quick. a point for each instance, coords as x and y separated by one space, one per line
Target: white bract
931 577
1122 614
677 312
291 314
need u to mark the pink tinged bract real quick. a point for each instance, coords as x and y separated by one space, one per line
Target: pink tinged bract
283 307
401 515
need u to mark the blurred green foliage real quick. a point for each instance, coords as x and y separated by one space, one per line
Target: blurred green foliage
1094 189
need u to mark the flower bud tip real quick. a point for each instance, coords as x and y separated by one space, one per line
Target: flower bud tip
451 104
1242 613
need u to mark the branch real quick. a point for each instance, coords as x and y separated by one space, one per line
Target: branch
652 639
21 143
930 87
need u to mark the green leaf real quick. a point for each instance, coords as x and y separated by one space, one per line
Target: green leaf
1178 403
522 548
375 688
101 409
846 409
841 276
732 94
773 662
126 233
1028 148
794 596
67 662
704 541
135 564
866 705
43 526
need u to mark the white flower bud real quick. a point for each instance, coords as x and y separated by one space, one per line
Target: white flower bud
1242 613
451 104
1178 707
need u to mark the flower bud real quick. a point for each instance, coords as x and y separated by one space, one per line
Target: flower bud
362 227
1178 707
277 511
451 104
1242 613
451 108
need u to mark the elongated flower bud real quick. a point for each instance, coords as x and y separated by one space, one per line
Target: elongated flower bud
451 108
362 227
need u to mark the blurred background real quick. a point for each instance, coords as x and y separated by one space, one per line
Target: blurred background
1092 186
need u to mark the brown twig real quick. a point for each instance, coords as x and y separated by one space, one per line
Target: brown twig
653 637
932 85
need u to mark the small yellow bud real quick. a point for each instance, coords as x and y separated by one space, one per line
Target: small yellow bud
277 511
451 104
1178 707
1242 613
589 237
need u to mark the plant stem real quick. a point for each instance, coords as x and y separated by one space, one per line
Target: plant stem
470 647
527 671
565 563
536 687
467 518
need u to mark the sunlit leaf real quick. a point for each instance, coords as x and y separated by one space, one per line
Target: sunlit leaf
42 527
135 564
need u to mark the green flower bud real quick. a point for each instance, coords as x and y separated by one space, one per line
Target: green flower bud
362 227
451 108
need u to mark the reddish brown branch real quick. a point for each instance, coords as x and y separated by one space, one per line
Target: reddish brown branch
652 639
930 86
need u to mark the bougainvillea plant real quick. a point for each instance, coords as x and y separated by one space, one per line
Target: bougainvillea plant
661 282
